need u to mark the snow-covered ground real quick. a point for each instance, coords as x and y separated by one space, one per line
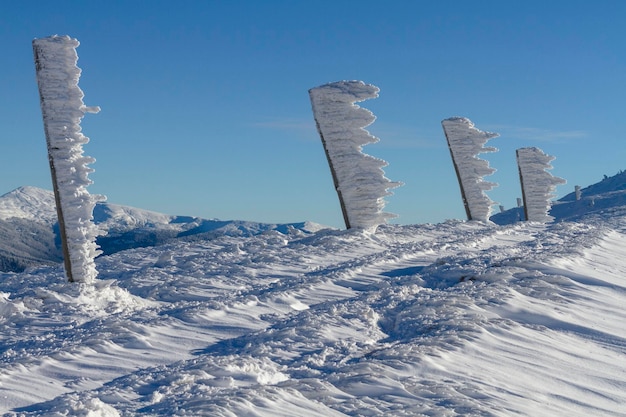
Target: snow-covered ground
458 318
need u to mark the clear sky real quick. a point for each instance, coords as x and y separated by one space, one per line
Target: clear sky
205 107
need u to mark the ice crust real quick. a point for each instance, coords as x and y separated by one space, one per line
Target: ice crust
63 109
465 143
538 185
359 178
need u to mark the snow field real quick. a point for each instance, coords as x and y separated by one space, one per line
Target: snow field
460 318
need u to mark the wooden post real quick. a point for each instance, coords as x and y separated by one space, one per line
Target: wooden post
521 180
468 213
344 212
358 178
39 66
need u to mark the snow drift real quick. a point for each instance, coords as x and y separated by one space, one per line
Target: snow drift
63 108
358 177
465 143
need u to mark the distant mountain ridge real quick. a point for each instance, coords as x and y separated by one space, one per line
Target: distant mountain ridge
29 228
29 203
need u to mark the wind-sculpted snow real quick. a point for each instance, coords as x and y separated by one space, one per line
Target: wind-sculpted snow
358 177
465 143
459 318
538 185
63 108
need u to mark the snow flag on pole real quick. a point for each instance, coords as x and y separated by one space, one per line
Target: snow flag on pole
465 143
538 185
359 179
62 108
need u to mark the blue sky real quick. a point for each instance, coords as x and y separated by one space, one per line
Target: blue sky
205 109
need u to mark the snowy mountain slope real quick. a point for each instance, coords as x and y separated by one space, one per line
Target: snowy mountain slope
597 198
608 184
459 318
29 203
29 229
25 242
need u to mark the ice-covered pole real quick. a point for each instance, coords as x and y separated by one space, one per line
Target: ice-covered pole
358 178
538 185
62 108
465 143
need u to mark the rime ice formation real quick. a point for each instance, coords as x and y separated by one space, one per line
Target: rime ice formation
538 185
358 177
63 108
465 142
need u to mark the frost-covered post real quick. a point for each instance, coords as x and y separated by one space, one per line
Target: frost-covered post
538 185
465 142
62 108
358 177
